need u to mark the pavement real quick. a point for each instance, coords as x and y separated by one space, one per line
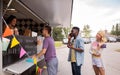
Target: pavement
110 59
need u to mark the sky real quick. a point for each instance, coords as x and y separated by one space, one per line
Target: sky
99 14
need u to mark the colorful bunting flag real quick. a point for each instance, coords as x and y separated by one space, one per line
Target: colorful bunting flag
38 70
22 52
7 32
35 60
5 43
41 70
14 42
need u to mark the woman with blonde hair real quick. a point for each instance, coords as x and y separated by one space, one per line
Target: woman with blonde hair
96 51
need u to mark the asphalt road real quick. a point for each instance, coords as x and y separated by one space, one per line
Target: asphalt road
111 60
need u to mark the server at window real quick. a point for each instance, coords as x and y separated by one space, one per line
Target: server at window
11 21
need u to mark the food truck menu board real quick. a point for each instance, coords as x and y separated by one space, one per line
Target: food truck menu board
11 55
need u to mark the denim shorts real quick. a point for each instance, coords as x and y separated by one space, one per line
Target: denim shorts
97 61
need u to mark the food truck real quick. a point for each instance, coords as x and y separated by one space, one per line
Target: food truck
32 15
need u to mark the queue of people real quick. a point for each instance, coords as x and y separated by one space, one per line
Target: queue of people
76 49
76 52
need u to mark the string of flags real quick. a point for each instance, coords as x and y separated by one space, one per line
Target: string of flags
22 52
38 69
15 42
5 43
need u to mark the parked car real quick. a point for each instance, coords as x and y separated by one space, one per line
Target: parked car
65 41
86 40
111 39
118 39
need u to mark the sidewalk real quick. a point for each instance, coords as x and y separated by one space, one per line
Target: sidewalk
110 59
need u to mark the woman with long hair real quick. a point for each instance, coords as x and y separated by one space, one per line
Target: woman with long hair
96 51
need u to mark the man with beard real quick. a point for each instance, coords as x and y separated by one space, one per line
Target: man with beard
76 53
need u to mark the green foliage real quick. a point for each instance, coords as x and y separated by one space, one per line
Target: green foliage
66 30
58 43
60 32
113 30
57 34
116 30
86 31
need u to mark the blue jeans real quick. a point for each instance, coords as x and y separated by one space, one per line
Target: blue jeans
76 70
52 66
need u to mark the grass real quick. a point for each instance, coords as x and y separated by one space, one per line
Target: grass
118 50
58 43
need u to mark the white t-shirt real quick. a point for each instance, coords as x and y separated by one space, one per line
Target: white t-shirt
94 48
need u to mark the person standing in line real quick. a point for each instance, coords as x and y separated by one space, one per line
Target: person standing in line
76 53
96 50
49 51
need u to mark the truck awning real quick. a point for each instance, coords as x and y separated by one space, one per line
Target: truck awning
54 12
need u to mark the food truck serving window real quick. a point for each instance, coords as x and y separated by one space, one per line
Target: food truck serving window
12 54
54 13
26 21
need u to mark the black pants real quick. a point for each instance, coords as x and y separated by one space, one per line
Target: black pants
76 70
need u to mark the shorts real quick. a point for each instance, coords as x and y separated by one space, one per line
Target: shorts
97 61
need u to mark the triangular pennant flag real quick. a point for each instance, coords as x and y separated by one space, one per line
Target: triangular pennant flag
37 69
22 52
35 61
14 42
41 70
7 32
5 43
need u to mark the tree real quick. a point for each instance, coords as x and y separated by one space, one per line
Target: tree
67 31
86 31
113 30
116 30
57 34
